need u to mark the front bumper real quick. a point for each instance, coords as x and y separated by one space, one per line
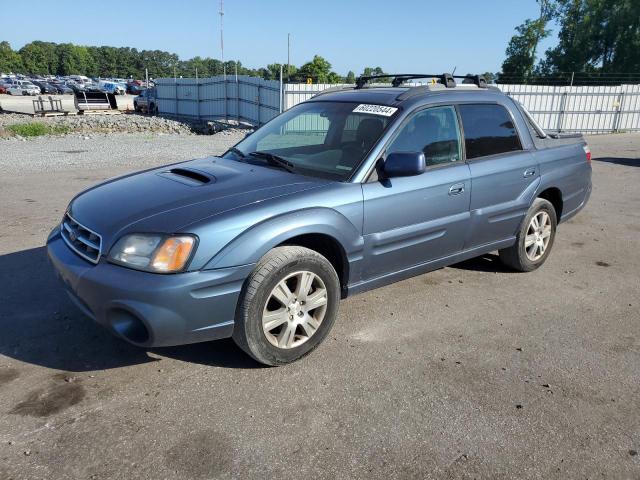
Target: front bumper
148 309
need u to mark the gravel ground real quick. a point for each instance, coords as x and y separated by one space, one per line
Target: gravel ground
88 125
471 371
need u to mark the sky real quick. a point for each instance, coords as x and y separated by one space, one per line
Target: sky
422 36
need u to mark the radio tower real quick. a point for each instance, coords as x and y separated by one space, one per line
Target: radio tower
224 68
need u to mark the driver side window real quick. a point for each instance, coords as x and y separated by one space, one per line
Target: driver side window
433 131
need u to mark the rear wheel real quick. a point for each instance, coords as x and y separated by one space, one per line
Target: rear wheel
534 240
288 305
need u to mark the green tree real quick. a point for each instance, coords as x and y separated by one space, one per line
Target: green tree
521 50
596 35
10 61
74 60
317 69
489 76
159 63
372 71
273 71
130 63
39 58
333 77
351 77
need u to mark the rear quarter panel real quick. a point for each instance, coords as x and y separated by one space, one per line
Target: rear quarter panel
565 168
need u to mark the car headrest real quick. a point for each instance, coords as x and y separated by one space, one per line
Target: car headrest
369 130
428 124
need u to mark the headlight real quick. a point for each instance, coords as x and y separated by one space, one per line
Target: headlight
153 253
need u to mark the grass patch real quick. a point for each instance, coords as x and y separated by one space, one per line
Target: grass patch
36 129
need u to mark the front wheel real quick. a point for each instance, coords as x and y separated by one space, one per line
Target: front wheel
534 239
288 305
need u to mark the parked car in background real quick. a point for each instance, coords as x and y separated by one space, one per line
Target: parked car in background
62 89
22 87
146 101
112 87
135 89
75 87
347 192
93 87
45 87
79 79
3 88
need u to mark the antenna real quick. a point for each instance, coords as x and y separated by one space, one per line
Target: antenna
221 12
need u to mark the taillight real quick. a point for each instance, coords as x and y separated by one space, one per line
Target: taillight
587 152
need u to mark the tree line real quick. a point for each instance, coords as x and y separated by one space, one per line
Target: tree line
47 58
598 42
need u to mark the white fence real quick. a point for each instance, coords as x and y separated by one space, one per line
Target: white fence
591 109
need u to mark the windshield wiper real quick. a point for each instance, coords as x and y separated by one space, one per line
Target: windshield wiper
275 160
237 151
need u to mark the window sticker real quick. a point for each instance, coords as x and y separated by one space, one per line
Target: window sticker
382 110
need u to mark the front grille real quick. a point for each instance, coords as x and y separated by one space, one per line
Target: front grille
85 242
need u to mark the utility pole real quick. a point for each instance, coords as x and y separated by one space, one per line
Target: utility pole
288 55
224 68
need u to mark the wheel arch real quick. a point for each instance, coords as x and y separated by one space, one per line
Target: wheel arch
554 196
330 248
323 230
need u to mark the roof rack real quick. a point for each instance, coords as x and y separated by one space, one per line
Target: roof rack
333 89
445 79
477 80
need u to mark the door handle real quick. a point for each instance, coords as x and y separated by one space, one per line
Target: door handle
456 189
529 172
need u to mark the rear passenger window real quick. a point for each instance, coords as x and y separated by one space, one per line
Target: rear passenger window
488 130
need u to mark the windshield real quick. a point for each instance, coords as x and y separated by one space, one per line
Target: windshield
323 139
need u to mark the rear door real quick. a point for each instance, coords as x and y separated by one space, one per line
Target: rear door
503 174
413 220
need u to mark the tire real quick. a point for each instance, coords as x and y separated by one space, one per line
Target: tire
285 341
525 256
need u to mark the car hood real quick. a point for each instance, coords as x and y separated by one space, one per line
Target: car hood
170 198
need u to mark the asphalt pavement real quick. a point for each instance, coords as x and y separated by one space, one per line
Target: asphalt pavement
472 371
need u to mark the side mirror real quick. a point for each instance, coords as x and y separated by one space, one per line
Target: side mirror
404 164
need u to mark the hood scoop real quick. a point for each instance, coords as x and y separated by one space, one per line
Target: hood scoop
186 176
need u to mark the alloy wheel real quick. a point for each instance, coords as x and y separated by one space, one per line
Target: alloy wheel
538 236
294 310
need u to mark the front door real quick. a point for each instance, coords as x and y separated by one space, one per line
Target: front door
409 221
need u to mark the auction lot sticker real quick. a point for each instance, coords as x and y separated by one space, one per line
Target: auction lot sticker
375 109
